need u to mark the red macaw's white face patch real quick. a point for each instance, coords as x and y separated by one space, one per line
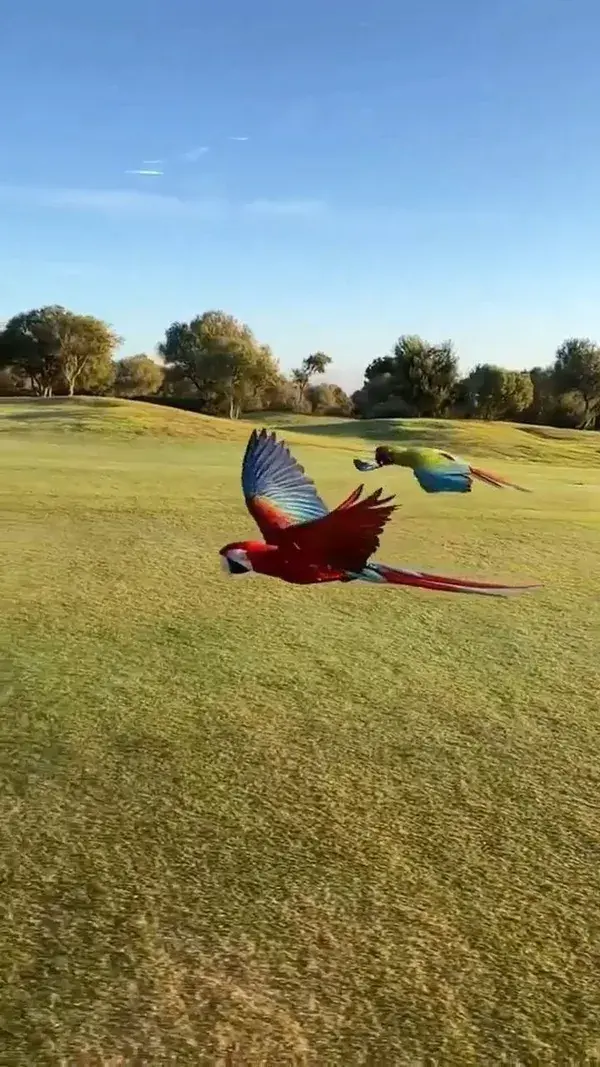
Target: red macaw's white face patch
235 563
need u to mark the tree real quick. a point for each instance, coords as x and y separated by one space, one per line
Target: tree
378 399
326 398
518 394
177 385
221 358
543 399
138 376
12 383
282 395
425 375
29 344
98 376
549 406
379 367
577 370
52 345
84 341
491 392
417 379
484 389
316 363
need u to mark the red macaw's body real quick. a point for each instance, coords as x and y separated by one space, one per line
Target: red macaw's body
293 567
305 543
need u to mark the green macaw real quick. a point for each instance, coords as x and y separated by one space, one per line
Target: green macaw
435 471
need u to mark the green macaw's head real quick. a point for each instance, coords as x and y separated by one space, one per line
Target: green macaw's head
399 457
383 456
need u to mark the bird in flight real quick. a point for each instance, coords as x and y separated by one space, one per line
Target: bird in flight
305 543
435 471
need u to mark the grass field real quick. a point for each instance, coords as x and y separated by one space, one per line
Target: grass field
249 824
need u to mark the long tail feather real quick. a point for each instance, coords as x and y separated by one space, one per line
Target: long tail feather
496 480
441 583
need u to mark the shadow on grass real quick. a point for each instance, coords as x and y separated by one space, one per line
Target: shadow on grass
35 416
377 430
550 433
51 409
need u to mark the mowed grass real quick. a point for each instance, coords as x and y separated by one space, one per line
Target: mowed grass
248 824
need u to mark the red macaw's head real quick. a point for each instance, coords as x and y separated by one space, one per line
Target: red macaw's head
383 456
241 558
235 560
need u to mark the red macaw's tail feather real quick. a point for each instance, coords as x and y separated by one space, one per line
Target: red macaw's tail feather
440 583
495 479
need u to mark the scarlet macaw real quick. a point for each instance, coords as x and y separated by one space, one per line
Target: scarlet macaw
305 543
435 471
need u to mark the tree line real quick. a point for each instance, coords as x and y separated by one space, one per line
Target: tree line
216 365
213 364
422 379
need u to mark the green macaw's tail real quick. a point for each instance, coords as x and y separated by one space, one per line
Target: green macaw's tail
496 480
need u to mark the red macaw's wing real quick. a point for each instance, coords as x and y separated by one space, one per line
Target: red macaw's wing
278 493
346 537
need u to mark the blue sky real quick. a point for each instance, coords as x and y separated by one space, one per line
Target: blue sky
426 168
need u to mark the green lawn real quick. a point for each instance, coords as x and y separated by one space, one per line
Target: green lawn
250 825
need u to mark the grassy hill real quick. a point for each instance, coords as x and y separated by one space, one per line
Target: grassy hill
246 824
124 419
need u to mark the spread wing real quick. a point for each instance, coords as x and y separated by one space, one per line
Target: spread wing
447 475
278 493
488 476
346 537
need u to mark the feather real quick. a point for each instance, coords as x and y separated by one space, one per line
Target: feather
346 537
277 491
451 478
442 584
496 480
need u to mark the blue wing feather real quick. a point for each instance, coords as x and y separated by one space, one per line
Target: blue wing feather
453 477
272 475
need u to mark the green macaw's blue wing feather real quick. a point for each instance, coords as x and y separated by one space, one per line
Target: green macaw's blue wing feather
449 477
